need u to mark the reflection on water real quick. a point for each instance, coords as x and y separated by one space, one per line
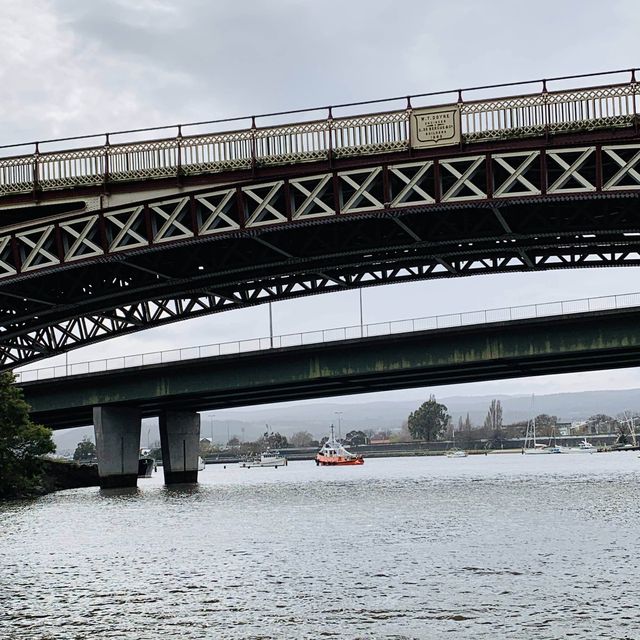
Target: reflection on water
498 546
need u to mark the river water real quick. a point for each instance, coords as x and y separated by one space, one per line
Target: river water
496 546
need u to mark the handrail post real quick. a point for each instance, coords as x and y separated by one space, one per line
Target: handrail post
633 99
254 161
409 110
107 168
36 177
179 159
330 134
545 109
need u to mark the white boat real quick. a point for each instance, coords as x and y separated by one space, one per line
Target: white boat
201 464
583 447
453 452
332 453
531 445
146 466
267 459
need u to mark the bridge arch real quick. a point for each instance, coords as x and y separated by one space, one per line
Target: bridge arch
535 182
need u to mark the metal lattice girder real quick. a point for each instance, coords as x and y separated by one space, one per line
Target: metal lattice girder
72 279
29 344
427 183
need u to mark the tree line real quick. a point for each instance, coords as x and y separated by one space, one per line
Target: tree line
431 421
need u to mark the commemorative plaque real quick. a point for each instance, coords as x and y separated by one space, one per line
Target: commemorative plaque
435 127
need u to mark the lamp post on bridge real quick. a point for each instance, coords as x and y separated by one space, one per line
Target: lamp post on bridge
339 414
270 326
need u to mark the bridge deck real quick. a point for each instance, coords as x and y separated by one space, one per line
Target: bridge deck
581 342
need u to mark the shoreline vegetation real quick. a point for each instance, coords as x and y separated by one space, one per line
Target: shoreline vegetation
56 475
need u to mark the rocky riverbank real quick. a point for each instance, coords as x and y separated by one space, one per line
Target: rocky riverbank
58 475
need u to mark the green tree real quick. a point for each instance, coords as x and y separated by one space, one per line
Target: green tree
493 424
85 450
21 442
545 425
493 421
301 439
429 421
272 440
356 437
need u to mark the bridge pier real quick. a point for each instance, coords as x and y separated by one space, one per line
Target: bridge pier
180 441
117 431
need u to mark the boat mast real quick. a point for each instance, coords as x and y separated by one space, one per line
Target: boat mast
533 418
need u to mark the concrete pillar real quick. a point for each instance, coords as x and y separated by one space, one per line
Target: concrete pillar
117 432
180 440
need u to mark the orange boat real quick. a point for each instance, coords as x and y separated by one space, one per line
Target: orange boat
333 453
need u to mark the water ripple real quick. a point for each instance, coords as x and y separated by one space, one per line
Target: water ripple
487 547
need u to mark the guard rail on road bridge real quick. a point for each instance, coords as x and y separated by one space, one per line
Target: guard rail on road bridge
484 316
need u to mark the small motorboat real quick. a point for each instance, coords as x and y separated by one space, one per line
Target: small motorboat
146 465
333 453
456 453
267 459
584 447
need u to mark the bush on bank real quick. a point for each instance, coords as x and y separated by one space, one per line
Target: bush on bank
22 443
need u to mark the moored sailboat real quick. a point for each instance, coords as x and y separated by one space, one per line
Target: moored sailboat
531 446
453 452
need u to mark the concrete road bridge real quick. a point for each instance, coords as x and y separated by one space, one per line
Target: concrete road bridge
111 234
561 337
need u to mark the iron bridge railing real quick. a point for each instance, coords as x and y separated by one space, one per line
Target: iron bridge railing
484 316
261 141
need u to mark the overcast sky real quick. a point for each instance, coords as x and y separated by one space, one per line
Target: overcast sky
75 66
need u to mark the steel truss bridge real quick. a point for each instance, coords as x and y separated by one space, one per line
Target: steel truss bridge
105 236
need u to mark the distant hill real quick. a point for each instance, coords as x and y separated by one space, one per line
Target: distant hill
316 417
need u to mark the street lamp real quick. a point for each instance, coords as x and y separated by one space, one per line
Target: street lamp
270 326
339 414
